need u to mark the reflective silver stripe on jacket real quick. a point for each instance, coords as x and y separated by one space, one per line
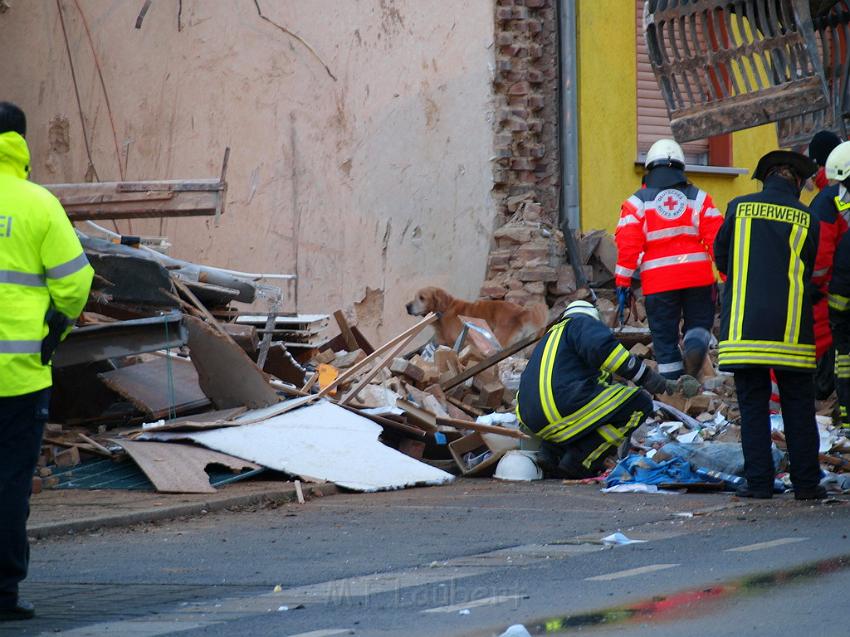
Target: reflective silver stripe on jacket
20 347
621 271
661 262
669 368
667 233
821 272
21 278
638 205
69 267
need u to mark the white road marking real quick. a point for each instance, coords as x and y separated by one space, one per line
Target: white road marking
132 628
759 546
630 572
476 603
328 632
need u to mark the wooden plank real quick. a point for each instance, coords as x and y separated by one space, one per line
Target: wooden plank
345 330
132 200
489 362
178 468
488 429
147 387
403 337
386 360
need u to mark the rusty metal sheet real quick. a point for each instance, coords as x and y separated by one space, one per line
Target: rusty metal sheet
159 388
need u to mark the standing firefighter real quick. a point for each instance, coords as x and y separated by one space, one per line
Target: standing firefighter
838 166
565 396
673 224
831 208
766 248
839 319
44 284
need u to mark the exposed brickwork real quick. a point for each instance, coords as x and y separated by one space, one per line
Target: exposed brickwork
526 88
528 250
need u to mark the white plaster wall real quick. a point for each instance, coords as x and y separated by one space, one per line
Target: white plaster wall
377 180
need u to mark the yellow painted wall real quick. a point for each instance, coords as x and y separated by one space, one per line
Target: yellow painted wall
607 98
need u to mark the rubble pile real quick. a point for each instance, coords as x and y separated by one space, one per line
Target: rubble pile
172 377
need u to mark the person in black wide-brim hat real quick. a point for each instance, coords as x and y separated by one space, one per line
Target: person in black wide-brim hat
766 248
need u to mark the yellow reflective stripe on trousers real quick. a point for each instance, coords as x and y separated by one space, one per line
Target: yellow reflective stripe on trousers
842 365
838 302
596 453
795 284
547 369
616 358
741 258
606 401
610 433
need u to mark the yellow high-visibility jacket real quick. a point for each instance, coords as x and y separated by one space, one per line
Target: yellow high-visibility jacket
42 266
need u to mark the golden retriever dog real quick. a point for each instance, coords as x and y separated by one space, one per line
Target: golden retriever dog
510 322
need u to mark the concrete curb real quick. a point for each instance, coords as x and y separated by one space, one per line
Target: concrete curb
276 496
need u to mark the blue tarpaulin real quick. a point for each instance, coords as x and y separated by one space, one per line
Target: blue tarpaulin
637 468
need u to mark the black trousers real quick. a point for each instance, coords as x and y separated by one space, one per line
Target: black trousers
585 455
22 421
665 310
797 394
840 324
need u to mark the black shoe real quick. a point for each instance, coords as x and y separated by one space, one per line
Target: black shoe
811 493
758 494
21 610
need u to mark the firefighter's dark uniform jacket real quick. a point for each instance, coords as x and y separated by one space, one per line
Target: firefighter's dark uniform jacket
564 391
839 318
766 248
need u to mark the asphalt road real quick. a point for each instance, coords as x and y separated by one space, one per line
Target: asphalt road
468 559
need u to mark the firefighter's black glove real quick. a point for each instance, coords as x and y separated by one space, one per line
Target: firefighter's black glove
653 382
815 294
57 323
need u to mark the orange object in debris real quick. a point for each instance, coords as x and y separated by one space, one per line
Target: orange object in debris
327 375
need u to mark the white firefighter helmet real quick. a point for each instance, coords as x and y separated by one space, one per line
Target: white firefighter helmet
519 466
838 162
581 307
665 152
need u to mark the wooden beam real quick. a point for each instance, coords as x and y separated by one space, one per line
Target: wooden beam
355 369
487 363
345 330
137 200
487 429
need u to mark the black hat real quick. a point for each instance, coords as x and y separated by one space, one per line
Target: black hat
799 163
12 119
822 145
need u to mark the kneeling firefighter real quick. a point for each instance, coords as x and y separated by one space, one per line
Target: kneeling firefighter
565 396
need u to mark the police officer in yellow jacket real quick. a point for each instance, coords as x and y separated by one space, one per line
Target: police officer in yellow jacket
44 277
766 248
566 397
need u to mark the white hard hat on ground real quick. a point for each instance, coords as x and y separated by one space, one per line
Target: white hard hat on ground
665 152
838 162
581 307
518 465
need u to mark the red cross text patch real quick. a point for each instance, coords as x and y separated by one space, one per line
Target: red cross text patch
670 203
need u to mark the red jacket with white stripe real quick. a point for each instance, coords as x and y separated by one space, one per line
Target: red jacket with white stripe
670 233
833 213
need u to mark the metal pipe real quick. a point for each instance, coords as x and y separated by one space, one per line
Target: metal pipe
569 217
568 115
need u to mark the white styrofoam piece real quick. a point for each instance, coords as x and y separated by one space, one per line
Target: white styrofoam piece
321 441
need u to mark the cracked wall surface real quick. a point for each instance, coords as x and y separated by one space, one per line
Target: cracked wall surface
377 180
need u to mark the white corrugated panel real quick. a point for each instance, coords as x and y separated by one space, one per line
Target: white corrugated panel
653 123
